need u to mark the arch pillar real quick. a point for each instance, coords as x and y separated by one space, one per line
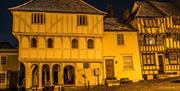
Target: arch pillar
28 75
60 74
40 75
51 73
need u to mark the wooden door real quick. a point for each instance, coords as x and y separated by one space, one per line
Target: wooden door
161 69
109 68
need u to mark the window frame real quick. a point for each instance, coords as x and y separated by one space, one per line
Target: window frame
74 43
128 65
32 42
3 78
173 57
50 43
148 59
38 18
120 39
2 61
82 20
90 44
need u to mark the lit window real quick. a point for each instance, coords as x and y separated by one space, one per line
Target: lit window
82 20
2 77
3 60
173 58
127 62
150 40
120 39
38 18
33 43
49 43
90 44
74 43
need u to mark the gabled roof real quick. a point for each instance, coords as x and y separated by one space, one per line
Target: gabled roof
112 24
64 6
147 10
6 45
168 8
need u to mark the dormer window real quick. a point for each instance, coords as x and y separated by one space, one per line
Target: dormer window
38 18
82 20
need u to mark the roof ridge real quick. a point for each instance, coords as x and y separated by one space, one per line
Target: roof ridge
150 3
92 6
21 5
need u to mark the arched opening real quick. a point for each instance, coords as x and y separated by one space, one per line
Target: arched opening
22 75
45 75
35 75
33 43
55 74
74 43
90 44
69 75
49 43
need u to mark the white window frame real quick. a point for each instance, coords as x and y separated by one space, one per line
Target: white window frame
2 72
128 66
1 60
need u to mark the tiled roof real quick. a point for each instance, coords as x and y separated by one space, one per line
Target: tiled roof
6 45
112 24
168 8
65 6
147 10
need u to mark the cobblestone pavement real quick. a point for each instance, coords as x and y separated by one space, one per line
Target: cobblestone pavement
169 84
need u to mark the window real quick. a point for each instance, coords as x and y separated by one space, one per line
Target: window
49 43
2 77
173 58
150 23
3 60
176 20
82 20
150 40
74 43
38 18
127 62
85 65
90 44
148 59
160 40
33 43
120 39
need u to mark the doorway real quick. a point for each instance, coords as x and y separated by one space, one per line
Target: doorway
109 68
161 68
69 75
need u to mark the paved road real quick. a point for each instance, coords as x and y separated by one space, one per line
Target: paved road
153 85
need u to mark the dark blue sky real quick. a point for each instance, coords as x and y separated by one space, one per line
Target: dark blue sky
6 18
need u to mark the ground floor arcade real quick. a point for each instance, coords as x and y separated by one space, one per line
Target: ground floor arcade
39 75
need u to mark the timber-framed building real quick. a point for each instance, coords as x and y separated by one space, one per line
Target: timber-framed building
158 25
60 42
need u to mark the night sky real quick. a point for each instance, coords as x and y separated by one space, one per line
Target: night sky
6 18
